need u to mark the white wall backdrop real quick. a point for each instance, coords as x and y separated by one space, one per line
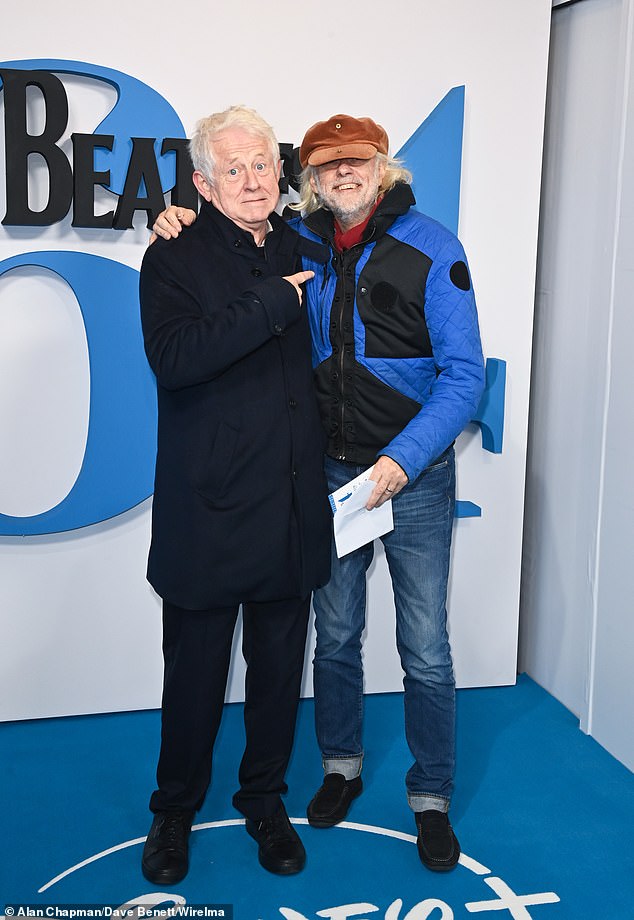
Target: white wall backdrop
577 630
81 628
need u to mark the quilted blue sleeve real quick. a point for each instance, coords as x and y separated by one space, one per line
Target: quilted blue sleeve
452 321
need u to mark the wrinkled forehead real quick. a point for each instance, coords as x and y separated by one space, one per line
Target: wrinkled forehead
239 144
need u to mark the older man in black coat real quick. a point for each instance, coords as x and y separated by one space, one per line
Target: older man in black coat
240 505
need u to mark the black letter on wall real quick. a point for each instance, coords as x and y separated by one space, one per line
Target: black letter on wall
291 168
19 145
85 179
142 168
184 192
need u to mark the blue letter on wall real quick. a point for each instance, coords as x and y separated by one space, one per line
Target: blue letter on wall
118 468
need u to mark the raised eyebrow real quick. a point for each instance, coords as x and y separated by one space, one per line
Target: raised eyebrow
239 158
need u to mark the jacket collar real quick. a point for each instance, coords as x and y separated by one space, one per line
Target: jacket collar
216 223
281 238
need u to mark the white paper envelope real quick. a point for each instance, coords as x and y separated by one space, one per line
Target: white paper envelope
355 526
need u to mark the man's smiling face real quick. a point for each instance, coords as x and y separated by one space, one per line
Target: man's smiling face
348 187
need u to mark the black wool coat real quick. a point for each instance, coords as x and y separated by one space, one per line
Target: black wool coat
240 507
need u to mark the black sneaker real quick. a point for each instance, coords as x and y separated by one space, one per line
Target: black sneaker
165 854
437 844
279 848
333 799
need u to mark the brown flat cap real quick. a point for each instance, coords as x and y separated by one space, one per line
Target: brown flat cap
342 136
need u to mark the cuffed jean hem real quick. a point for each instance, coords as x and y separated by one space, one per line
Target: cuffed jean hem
349 767
421 802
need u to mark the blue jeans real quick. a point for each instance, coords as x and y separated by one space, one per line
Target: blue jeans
417 552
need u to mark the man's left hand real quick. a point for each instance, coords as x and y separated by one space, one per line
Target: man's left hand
390 478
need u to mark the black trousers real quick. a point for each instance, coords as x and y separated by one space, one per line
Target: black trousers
197 652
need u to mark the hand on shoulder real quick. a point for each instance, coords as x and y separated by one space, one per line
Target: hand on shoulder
171 221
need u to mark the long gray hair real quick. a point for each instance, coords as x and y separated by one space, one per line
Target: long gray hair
308 200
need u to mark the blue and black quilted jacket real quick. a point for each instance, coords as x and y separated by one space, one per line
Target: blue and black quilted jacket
396 346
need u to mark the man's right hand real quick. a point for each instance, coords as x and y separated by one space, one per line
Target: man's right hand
297 279
171 221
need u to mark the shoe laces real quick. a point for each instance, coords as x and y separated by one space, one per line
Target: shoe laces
275 823
173 828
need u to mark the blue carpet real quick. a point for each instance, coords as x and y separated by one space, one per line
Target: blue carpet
543 813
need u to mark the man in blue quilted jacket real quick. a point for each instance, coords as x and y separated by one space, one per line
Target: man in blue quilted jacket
399 373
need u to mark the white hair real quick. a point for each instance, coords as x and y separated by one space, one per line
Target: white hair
207 129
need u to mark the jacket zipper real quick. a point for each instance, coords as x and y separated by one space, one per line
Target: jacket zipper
363 243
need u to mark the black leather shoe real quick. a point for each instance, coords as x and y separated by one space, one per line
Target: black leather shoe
437 844
333 799
165 854
279 848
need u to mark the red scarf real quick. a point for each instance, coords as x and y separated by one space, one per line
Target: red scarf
346 239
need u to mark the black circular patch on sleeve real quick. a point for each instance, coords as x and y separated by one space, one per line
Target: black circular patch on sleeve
384 296
459 274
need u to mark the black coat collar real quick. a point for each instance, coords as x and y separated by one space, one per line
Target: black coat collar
217 224
281 238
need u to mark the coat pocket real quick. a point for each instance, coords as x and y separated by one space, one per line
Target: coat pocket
213 469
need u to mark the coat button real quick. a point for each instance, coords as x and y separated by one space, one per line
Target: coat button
237 243
277 329
256 272
292 403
